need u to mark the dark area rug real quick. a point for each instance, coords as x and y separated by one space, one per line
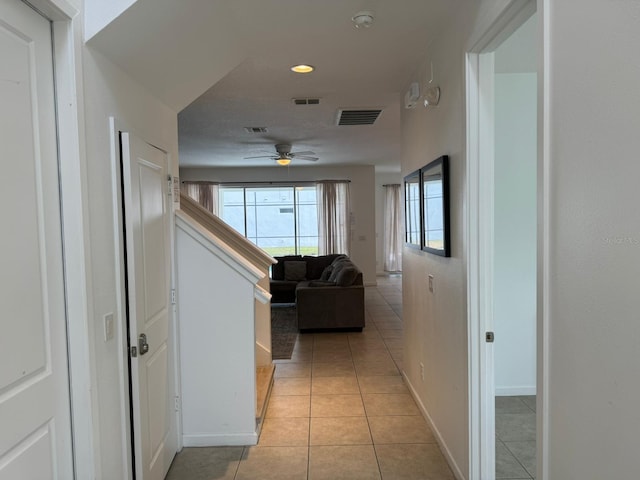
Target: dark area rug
284 330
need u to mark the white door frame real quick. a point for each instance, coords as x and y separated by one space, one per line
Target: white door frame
480 221
75 233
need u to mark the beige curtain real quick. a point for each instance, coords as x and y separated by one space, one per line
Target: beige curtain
205 193
393 235
334 210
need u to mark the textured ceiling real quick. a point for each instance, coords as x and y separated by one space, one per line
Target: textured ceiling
224 65
355 68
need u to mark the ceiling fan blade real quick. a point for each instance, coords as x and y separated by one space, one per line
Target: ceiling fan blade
304 157
308 152
259 156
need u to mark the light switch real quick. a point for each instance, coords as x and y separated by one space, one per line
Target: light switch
431 283
108 327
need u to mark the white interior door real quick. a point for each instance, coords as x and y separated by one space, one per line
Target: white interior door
147 239
35 425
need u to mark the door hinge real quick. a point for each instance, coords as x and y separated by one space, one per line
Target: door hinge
173 296
489 337
170 185
177 403
134 352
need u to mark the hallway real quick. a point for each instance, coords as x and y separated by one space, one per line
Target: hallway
339 410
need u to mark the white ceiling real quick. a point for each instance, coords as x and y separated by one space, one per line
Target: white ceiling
355 68
224 65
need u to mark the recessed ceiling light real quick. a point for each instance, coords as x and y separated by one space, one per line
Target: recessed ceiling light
302 68
362 19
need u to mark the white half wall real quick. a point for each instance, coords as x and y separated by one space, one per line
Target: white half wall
363 244
515 233
217 345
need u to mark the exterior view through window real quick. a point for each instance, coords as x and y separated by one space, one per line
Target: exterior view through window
281 220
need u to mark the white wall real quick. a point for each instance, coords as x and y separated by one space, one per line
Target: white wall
98 14
362 188
217 342
109 92
515 233
382 179
435 324
593 238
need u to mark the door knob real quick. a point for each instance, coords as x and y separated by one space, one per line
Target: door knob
143 346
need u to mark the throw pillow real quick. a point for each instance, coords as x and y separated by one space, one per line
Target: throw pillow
277 270
347 276
326 273
336 271
295 271
339 259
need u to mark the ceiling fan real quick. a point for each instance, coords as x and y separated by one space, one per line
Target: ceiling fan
284 155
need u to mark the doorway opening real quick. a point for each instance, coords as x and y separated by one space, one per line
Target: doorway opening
502 288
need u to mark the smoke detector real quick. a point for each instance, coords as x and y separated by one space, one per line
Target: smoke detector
362 19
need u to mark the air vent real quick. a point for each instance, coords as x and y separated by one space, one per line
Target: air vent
255 129
358 117
306 101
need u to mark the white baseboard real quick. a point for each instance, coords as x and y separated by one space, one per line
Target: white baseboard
220 440
263 355
443 446
514 391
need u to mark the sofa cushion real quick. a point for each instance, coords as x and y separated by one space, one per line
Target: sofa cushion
295 270
335 270
326 273
282 291
338 259
320 283
337 267
346 276
277 270
315 265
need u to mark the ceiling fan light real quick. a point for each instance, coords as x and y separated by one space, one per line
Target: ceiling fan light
283 161
302 68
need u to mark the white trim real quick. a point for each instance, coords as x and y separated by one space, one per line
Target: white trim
480 265
219 248
515 391
455 468
125 402
479 206
55 10
262 295
221 440
544 241
513 15
75 233
473 323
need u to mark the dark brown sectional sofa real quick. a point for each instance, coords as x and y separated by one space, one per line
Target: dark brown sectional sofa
328 291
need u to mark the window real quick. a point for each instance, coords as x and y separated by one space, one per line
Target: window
281 220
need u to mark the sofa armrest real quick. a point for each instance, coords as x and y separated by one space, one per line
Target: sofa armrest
330 307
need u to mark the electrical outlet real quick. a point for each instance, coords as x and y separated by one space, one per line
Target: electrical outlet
108 327
431 283
422 371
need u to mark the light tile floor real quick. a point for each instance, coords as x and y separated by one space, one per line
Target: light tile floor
339 410
515 437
